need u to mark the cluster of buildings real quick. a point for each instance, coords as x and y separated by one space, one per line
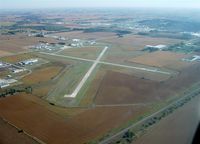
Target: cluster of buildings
81 43
6 82
17 70
4 65
41 46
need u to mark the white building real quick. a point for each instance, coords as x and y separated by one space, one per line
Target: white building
194 58
3 64
160 47
28 62
76 40
18 70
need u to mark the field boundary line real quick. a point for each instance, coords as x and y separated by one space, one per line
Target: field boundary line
26 133
118 134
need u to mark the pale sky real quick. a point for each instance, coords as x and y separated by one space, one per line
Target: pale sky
20 4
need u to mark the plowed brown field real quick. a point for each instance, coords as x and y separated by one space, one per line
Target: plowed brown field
119 88
18 43
10 135
177 128
37 120
162 59
42 75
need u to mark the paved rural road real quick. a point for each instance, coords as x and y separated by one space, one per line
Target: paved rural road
110 139
87 75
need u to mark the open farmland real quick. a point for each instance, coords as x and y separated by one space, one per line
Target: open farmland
162 59
19 43
18 58
88 76
42 75
87 36
46 125
119 88
84 52
137 42
182 123
4 53
130 46
10 135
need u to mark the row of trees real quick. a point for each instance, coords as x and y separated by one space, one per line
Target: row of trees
129 136
13 91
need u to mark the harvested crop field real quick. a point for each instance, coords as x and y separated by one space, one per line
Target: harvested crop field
51 128
162 59
137 42
10 135
86 36
119 88
177 128
42 75
4 53
85 52
42 90
18 57
19 43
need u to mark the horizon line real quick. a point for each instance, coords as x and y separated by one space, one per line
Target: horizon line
101 7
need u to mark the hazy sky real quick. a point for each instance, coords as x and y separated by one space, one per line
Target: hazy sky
9 4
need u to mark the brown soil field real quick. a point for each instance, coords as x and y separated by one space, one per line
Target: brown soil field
85 36
42 75
18 43
18 57
177 128
118 88
130 46
49 127
92 89
86 52
10 135
137 42
162 59
42 90
4 53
